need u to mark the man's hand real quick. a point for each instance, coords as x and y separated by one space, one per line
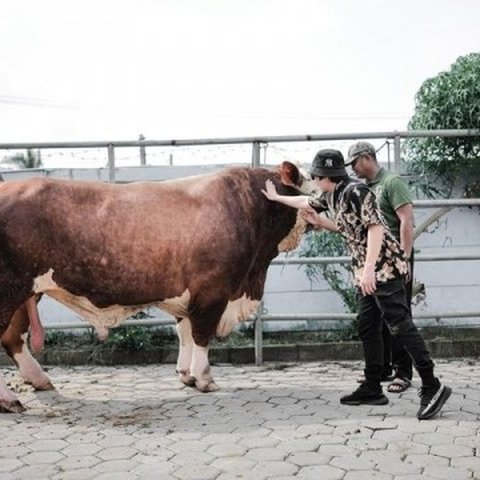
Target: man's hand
312 217
318 220
270 191
368 282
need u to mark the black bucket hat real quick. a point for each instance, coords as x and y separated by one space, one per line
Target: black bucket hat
328 163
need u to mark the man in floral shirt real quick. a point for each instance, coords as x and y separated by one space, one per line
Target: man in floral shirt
379 269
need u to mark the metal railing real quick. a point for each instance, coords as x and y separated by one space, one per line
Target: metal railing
256 142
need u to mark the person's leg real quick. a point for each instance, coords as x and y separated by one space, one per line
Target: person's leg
387 368
391 300
401 360
369 324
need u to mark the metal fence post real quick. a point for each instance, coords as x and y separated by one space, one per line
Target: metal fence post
111 163
259 336
397 166
143 153
256 154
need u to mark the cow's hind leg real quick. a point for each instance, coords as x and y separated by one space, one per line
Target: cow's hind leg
9 403
185 348
14 340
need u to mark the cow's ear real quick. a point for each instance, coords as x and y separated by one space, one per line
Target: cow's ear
290 174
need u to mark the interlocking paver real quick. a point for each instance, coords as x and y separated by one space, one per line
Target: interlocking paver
264 423
325 472
367 475
305 459
227 450
78 462
451 451
266 454
352 463
427 460
448 473
470 463
10 464
39 458
273 469
196 472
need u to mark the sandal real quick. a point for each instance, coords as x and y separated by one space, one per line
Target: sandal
388 378
399 385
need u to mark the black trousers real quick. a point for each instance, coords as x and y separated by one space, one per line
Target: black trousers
395 358
389 304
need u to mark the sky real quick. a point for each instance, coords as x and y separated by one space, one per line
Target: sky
176 69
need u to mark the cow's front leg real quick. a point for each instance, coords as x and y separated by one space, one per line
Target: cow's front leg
200 368
185 348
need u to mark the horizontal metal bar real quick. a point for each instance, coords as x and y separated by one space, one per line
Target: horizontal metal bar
139 323
351 316
279 317
452 202
235 140
343 259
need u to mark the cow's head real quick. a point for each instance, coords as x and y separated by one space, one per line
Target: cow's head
295 176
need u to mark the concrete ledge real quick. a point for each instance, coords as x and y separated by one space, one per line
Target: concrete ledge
300 352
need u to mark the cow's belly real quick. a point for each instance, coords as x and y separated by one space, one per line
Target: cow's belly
107 317
236 311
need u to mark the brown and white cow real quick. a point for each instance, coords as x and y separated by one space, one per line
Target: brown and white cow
197 247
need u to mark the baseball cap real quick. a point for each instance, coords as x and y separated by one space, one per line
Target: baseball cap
360 148
328 163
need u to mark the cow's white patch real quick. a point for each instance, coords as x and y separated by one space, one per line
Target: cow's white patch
237 311
29 368
44 282
108 317
176 306
292 239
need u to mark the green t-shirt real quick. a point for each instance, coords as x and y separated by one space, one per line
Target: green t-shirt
392 193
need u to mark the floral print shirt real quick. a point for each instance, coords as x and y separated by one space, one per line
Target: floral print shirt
353 207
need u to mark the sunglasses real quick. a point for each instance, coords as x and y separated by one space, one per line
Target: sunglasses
317 176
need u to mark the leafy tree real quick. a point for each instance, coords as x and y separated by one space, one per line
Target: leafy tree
30 159
450 100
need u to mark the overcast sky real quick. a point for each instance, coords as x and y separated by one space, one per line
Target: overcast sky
88 70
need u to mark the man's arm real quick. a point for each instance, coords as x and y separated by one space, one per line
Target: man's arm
368 283
405 215
299 202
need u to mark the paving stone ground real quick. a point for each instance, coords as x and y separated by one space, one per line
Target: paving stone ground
277 421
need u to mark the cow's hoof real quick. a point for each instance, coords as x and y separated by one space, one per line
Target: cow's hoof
44 387
206 387
13 406
187 380
40 385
